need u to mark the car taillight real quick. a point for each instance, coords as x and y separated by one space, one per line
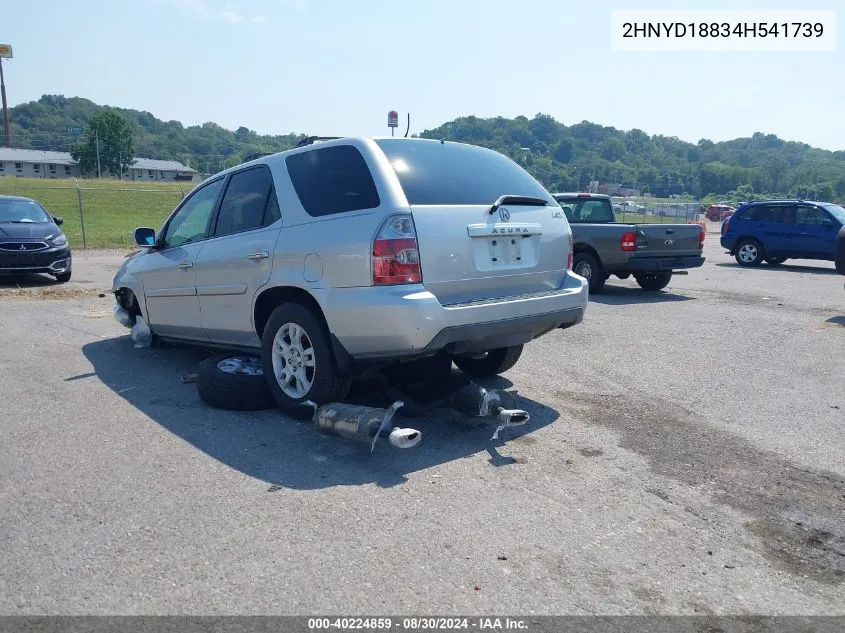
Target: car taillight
396 256
571 254
725 225
629 241
701 234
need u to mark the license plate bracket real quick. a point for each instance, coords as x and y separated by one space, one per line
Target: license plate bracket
505 251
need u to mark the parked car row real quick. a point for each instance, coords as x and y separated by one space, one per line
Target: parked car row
346 255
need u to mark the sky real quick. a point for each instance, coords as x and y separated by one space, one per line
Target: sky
336 67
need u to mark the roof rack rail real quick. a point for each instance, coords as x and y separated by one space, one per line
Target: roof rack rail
255 155
310 140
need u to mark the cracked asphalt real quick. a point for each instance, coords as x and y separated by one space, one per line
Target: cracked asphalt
686 455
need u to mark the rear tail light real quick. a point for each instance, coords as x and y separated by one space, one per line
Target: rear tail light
702 232
570 255
725 225
629 241
396 255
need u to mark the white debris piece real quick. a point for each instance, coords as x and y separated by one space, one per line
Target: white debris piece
123 317
141 334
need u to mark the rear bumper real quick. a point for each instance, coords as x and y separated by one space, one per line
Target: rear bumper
727 243
664 264
52 261
408 321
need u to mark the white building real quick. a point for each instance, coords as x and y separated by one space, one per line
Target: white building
30 163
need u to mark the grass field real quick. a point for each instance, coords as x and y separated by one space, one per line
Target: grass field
111 209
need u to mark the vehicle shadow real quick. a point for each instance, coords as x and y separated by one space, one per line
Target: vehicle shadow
283 452
621 295
785 267
27 281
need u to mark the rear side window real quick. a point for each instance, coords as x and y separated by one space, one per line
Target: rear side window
244 205
332 180
431 172
776 213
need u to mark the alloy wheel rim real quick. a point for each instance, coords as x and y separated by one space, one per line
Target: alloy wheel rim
748 253
243 365
294 360
585 270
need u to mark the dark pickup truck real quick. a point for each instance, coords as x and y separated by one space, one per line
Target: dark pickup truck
652 253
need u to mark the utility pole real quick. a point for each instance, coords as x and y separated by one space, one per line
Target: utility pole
97 143
7 135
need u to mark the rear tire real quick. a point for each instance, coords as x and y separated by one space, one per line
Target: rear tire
590 268
229 390
749 253
296 353
496 362
653 281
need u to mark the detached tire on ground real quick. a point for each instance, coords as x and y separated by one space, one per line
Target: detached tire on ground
299 363
653 281
590 268
495 362
234 382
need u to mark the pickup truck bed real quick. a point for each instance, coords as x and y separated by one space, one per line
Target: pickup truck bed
651 252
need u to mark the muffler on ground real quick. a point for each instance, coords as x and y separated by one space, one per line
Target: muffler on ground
363 424
474 400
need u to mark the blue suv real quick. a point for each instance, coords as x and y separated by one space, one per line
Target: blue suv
776 230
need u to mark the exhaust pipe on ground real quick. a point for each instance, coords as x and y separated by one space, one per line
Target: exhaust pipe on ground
363 424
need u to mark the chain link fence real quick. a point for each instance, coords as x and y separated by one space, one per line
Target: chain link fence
99 216
646 211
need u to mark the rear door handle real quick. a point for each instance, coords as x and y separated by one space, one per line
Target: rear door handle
256 257
186 264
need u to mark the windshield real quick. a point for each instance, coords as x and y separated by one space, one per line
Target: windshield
836 211
22 211
431 172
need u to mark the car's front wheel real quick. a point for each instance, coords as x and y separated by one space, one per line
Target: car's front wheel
749 253
298 361
492 363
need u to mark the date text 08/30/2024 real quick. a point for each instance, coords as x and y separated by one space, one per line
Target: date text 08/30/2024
417 624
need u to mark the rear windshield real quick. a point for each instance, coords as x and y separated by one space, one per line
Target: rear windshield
431 172
586 210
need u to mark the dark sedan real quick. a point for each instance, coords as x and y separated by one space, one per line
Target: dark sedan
31 240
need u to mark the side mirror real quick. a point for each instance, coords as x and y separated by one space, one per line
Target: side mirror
58 220
145 236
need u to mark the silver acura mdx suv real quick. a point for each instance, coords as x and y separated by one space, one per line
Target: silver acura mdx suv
343 254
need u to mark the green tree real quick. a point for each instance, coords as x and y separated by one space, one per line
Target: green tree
111 136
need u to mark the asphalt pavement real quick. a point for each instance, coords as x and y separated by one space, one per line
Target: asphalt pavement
686 455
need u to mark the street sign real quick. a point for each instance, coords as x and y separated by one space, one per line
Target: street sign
6 51
393 119
74 130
